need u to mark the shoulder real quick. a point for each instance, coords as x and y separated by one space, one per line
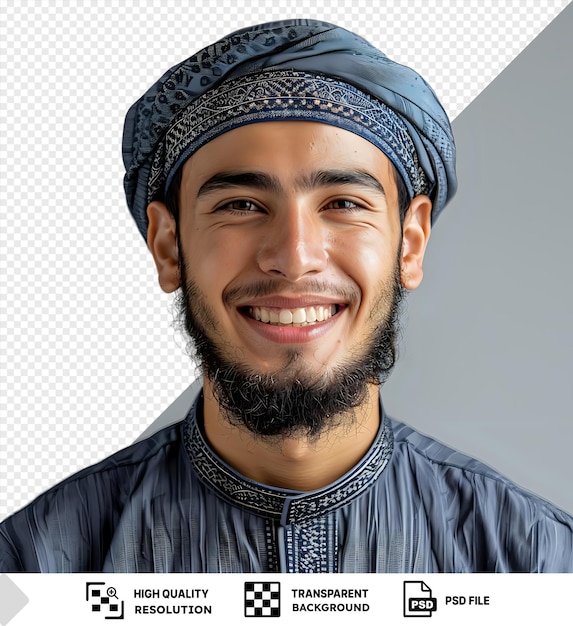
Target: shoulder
410 442
463 493
87 504
438 460
127 462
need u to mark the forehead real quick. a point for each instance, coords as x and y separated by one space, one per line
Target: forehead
288 150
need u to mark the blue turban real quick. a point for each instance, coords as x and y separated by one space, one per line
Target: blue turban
288 70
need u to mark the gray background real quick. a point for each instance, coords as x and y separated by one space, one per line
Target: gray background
486 359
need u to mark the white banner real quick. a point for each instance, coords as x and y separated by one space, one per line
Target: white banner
95 599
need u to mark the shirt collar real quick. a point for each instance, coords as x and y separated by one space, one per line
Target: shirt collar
282 504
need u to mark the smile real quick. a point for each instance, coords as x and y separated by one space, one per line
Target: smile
292 317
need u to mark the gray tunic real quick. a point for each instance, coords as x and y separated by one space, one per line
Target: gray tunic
169 504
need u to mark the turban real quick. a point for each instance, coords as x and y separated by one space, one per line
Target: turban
288 70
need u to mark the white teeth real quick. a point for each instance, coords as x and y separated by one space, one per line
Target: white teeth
296 317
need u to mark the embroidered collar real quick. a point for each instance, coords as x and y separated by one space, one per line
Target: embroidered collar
282 504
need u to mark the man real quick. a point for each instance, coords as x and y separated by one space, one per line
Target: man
286 180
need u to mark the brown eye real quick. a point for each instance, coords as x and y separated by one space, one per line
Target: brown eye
341 204
239 206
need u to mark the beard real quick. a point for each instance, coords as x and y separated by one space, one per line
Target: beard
293 401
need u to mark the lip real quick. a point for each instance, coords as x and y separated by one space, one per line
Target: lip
291 334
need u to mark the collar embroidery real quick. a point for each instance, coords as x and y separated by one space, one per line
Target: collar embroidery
288 507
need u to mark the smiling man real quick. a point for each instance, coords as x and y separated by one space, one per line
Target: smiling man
294 316
286 180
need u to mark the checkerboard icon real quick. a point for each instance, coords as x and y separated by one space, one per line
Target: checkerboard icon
262 599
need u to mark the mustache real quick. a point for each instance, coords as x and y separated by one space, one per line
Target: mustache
272 287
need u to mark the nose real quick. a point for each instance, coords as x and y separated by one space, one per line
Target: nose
294 245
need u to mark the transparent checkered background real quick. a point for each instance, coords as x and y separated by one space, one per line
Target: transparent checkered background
89 356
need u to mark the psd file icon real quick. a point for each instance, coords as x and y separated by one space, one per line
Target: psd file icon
418 600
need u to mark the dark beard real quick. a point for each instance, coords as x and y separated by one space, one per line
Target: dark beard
300 405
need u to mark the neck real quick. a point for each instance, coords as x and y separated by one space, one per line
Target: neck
293 463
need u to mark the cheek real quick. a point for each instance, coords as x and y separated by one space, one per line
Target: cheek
366 256
214 258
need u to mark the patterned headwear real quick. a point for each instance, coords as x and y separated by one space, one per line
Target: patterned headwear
288 70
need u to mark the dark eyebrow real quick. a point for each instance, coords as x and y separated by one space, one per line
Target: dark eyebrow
334 177
313 180
222 180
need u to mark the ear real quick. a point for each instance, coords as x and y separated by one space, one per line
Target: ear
416 232
162 242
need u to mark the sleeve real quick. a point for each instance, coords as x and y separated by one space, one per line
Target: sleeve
555 543
13 558
517 531
65 529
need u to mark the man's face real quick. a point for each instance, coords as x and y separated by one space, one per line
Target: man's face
290 241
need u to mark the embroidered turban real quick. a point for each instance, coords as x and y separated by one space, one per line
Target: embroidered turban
288 70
